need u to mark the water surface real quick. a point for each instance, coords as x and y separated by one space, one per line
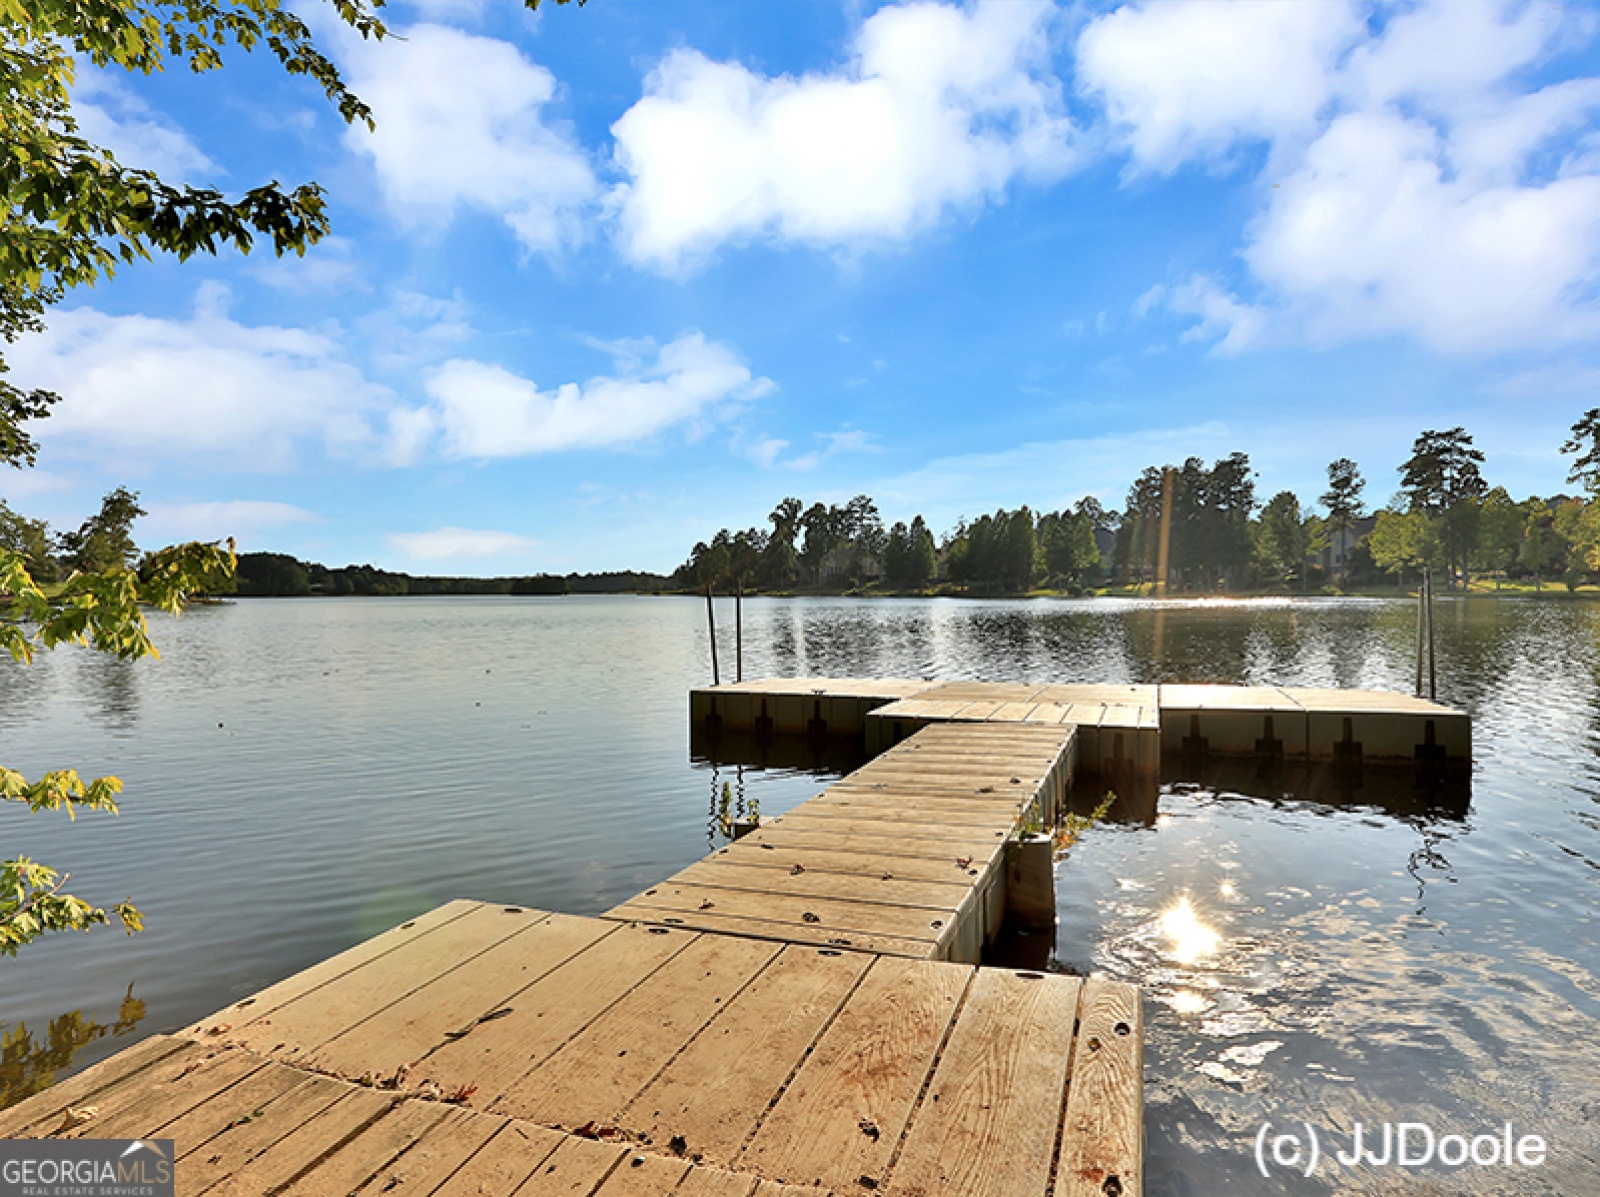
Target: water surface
304 773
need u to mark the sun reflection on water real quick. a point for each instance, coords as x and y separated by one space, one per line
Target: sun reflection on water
1191 940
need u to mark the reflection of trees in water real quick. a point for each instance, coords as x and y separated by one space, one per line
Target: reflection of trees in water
29 1065
113 688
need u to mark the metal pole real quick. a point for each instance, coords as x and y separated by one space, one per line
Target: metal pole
711 622
1433 672
738 632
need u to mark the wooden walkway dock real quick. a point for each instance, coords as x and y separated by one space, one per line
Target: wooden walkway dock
905 856
499 1050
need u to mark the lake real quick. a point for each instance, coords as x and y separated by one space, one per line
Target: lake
302 774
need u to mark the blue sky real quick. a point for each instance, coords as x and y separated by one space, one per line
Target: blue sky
608 278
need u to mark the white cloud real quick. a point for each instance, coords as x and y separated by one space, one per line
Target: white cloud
449 543
1371 235
481 410
938 108
1190 80
110 115
206 390
238 518
460 123
1417 188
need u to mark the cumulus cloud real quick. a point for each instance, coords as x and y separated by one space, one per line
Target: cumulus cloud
461 123
205 389
482 410
938 108
449 543
1189 81
1418 184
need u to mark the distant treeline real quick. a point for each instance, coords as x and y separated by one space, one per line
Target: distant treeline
278 575
1193 528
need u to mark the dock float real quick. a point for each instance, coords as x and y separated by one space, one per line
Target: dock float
1148 729
500 1050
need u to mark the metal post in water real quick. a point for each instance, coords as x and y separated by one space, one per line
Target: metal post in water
738 632
711 622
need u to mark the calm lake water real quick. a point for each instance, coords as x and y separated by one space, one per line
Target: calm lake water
304 773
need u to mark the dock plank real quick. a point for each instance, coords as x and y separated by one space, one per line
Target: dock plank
1103 1132
299 1151
430 1161
881 885
165 1094
688 902
602 1068
353 1164
574 1169
40 1114
259 1005
498 1168
449 1006
987 1127
712 1094
496 1054
847 1107
307 1021
753 928
244 1134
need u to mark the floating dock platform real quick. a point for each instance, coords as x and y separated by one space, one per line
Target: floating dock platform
1119 727
803 1011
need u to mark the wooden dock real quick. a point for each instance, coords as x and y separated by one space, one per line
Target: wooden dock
499 1050
802 1011
1119 727
905 856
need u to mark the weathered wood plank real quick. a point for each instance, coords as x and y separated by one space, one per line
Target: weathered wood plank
443 1009
43 1112
495 1054
688 902
879 886
575 1169
847 1107
1103 1132
430 1161
601 1069
645 1176
208 1117
777 837
750 858
241 1138
259 1005
782 933
712 1094
164 1093
306 1022
353 1164
300 1150
987 1126
501 1166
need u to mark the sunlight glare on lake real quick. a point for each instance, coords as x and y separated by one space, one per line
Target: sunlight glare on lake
1191 939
